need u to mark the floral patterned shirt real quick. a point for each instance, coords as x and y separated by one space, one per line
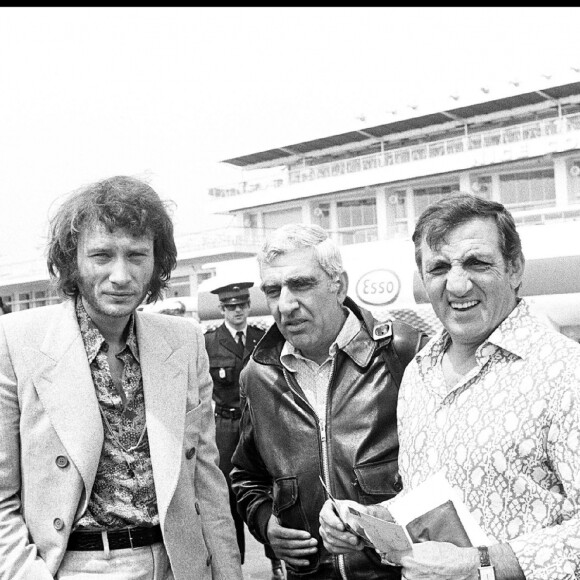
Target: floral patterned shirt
123 493
508 436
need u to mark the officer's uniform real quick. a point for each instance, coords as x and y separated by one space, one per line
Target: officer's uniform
226 361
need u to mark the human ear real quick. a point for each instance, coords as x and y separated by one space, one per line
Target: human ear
342 283
517 268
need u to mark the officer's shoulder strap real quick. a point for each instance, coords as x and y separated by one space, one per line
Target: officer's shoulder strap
210 330
405 343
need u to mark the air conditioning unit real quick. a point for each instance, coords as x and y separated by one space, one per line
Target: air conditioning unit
478 187
575 170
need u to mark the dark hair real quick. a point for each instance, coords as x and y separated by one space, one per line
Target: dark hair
435 223
119 202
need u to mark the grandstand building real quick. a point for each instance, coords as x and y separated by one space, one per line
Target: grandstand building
518 144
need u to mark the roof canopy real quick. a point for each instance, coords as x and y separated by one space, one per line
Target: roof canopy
410 123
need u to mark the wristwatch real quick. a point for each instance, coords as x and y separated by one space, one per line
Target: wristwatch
485 570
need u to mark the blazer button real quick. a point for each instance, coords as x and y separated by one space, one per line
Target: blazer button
197 508
61 461
190 453
58 524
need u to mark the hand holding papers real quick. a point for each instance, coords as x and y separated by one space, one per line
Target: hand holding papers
433 511
343 517
384 536
377 533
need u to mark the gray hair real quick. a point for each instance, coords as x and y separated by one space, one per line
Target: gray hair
291 237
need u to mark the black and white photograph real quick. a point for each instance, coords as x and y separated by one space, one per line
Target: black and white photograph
268 271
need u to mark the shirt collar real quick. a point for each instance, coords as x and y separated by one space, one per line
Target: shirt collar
94 340
349 330
505 336
234 331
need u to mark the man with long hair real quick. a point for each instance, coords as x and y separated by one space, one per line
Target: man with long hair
108 461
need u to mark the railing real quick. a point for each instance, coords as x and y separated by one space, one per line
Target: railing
545 216
246 187
492 138
219 238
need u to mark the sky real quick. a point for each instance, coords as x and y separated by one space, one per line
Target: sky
166 94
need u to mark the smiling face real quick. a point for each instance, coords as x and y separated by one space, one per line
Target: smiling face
304 301
115 270
470 286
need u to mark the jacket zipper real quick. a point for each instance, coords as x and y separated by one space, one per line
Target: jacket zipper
325 463
323 441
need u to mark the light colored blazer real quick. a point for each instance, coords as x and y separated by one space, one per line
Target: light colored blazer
48 409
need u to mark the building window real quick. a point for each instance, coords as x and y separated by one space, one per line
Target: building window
179 286
321 215
573 168
32 299
481 186
7 301
274 219
528 189
425 196
40 298
23 301
357 221
397 215
250 220
203 276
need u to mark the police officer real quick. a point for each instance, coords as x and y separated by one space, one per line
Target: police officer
229 347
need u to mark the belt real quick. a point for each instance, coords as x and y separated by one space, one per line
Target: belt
227 412
118 539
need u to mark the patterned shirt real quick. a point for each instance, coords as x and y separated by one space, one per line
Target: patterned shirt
123 493
313 378
508 435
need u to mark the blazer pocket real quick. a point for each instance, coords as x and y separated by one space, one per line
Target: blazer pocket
376 482
191 431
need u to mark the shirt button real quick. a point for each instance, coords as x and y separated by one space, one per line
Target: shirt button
61 461
398 484
197 508
58 524
190 453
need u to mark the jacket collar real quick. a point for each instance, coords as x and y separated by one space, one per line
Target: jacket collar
65 388
360 349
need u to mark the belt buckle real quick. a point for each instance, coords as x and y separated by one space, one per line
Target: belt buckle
130 538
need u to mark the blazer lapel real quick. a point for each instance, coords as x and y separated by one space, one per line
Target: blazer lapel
63 381
165 389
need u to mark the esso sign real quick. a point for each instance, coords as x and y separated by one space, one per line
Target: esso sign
378 287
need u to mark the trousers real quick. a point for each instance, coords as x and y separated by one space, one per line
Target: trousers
146 563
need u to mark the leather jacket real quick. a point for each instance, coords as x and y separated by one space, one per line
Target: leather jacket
284 446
